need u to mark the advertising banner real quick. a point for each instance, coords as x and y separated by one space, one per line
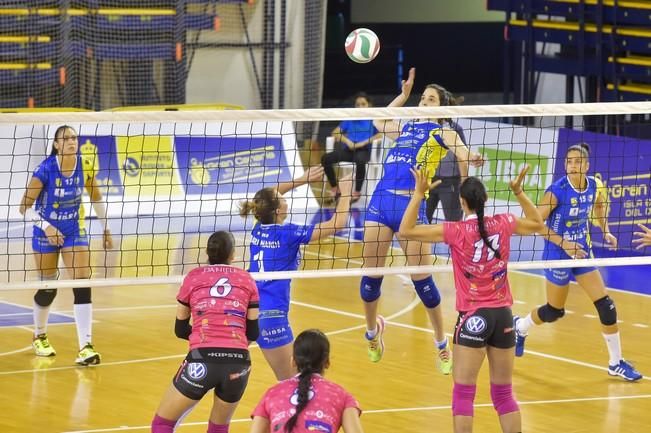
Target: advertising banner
230 165
102 150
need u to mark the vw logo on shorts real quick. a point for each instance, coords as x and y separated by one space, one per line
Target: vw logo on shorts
475 324
196 370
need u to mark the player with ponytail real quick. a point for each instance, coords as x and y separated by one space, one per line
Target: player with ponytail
319 405
480 247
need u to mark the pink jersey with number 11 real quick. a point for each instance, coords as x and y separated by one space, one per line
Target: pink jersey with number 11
480 277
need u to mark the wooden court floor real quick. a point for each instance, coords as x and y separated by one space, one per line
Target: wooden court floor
561 382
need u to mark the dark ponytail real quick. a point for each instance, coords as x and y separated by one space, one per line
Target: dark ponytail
474 193
59 133
220 248
311 355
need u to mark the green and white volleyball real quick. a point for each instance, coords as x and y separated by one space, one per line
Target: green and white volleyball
362 45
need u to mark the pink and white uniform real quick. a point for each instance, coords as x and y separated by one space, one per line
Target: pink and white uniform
322 414
479 277
219 297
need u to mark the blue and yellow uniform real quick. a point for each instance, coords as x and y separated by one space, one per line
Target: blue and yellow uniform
419 144
570 220
274 247
59 203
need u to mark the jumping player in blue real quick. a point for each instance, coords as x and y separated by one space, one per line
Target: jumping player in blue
566 207
421 143
275 247
56 190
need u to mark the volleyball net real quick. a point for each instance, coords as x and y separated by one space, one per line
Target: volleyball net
170 179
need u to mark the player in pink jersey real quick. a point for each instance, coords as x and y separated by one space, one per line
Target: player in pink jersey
223 302
480 252
307 402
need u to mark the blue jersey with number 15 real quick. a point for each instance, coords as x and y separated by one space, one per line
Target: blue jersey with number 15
571 216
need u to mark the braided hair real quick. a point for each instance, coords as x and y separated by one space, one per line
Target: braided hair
311 355
474 193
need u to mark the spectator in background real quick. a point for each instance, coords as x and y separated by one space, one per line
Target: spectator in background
355 138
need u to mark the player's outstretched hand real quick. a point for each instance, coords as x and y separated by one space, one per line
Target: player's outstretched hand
422 177
476 159
408 84
611 240
643 237
516 184
313 174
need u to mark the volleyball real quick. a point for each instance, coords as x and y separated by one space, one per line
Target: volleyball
362 45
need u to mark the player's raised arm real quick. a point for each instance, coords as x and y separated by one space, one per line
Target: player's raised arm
391 128
532 221
312 174
408 226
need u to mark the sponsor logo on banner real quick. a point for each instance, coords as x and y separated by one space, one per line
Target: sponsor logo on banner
230 165
623 165
502 165
101 151
146 165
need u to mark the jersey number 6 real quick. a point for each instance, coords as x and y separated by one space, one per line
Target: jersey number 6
221 288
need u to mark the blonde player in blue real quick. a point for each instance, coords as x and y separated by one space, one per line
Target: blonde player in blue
418 143
567 208
56 190
275 246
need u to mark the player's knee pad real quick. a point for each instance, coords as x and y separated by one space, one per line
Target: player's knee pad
82 295
162 425
549 314
607 311
45 297
428 292
369 288
463 399
503 401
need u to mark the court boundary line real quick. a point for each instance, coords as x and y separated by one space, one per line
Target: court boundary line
414 302
394 410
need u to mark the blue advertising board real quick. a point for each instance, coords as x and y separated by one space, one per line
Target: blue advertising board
230 165
107 169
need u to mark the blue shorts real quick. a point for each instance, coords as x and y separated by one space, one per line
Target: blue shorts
563 276
41 245
274 329
388 209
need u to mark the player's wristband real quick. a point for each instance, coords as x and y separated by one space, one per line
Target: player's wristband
518 193
33 217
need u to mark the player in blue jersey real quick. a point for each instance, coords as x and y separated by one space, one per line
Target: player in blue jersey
355 139
418 143
567 207
275 247
55 190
